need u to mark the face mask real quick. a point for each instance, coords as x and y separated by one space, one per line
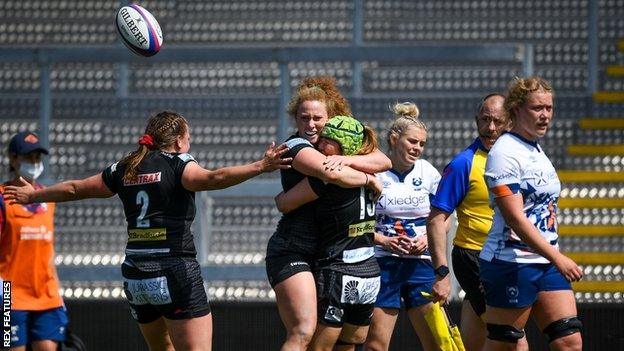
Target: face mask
30 171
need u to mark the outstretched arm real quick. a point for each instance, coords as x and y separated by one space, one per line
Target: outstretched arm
197 178
91 187
297 196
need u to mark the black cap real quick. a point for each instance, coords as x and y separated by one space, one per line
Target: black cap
26 142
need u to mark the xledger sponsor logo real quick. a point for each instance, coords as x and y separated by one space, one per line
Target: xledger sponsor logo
501 176
387 201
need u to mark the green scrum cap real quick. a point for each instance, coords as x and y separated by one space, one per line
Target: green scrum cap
346 131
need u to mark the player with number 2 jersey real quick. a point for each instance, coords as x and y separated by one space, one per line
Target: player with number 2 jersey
156 184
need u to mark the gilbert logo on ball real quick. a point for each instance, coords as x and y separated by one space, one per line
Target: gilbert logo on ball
139 30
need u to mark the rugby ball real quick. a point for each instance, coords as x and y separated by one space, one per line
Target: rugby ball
139 30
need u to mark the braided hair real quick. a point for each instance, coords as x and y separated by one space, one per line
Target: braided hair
161 131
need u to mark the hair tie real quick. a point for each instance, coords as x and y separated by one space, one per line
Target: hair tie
147 140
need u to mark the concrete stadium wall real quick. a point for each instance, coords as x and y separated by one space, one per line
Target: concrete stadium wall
107 325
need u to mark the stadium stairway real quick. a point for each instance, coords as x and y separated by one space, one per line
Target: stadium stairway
595 240
596 245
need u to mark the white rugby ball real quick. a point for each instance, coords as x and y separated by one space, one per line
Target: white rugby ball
139 30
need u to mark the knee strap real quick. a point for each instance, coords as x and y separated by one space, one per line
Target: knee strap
562 327
504 333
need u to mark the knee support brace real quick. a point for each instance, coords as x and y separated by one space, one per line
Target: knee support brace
504 333
562 327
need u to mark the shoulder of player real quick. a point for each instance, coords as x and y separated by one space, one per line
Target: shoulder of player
185 157
507 139
462 162
296 144
172 157
295 140
425 166
387 175
504 144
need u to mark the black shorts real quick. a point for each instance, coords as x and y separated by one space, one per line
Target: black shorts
466 269
344 298
175 292
282 263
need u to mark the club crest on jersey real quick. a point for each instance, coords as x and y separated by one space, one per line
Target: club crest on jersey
512 294
334 313
417 182
145 178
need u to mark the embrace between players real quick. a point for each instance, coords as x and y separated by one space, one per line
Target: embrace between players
341 261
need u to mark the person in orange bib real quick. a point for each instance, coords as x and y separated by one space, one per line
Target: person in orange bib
38 315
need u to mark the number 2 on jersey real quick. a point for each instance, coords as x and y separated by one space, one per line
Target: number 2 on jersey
142 199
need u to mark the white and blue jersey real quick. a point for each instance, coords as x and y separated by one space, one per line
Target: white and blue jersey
404 206
514 165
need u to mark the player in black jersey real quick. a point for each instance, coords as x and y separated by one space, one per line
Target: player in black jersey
157 185
346 271
291 249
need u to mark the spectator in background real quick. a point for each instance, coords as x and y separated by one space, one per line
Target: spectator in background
156 184
292 248
401 251
38 315
463 189
522 271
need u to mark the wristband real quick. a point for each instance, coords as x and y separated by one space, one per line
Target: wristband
441 271
366 175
